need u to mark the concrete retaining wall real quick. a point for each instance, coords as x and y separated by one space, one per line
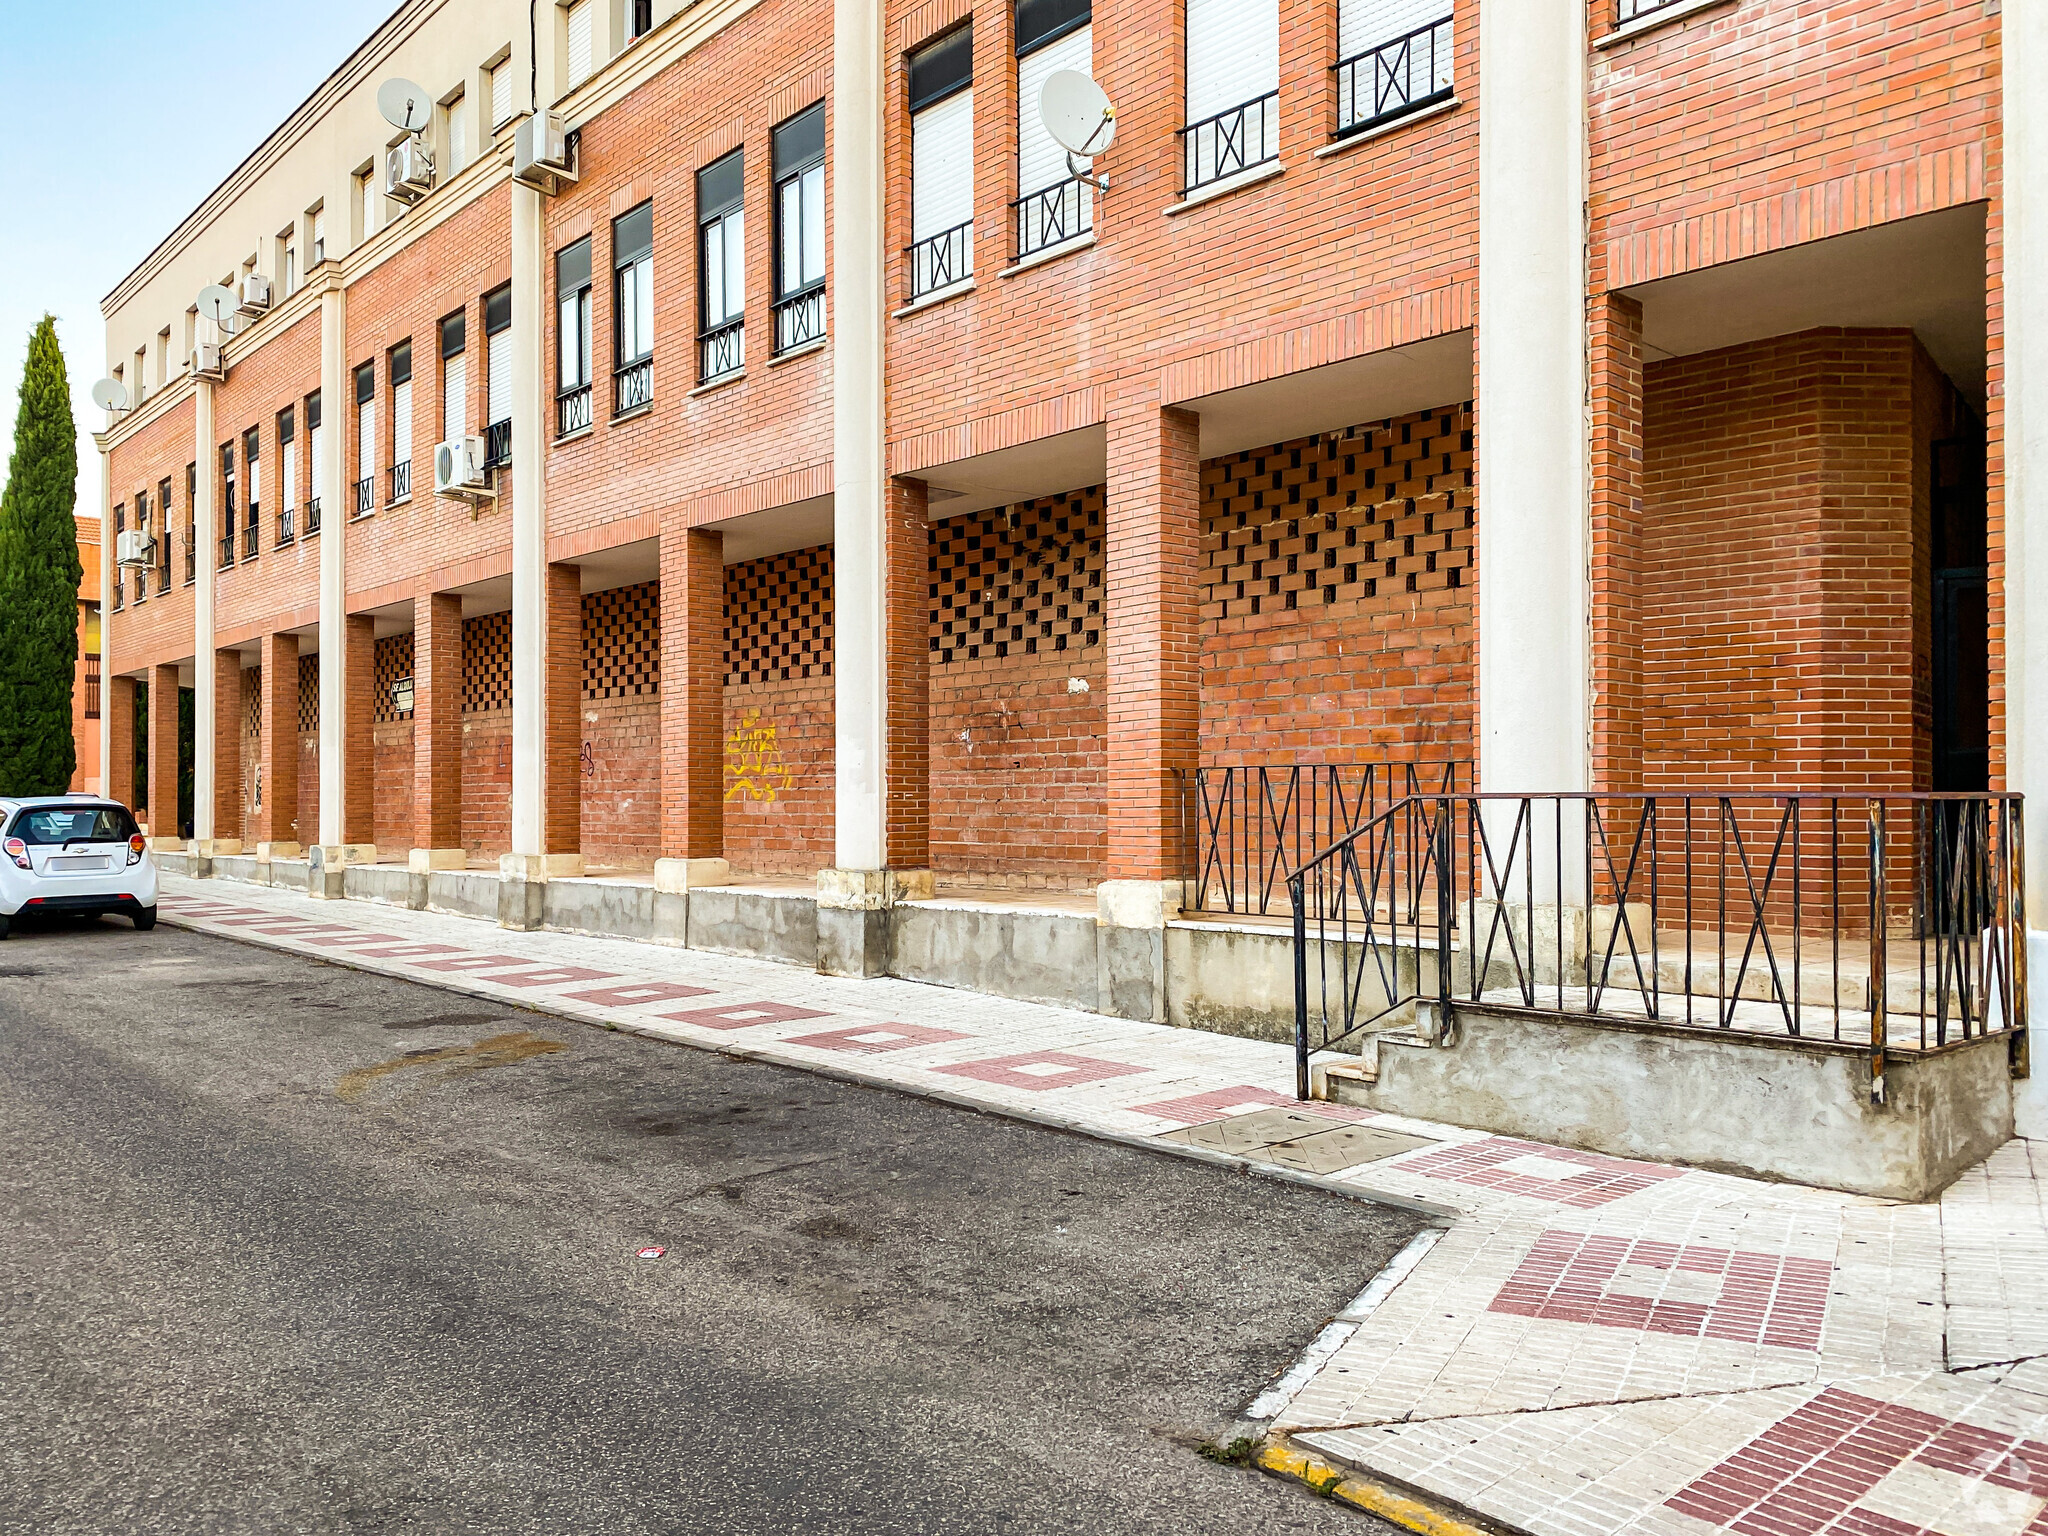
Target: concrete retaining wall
763 925
1038 957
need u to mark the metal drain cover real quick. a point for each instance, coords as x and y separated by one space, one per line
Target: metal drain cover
1298 1138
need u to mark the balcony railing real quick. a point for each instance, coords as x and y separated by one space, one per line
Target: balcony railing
312 516
227 549
800 318
401 480
251 540
366 495
1395 78
1058 212
633 387
1632 10
722 350
287 529
941 260
1230 142
163 571
498 444
191 554
141 585
120 594
572 410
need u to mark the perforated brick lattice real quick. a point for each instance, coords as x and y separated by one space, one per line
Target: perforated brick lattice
487 663
309 692
1343 516
622 642
393 660
1021 579
252 702
778 617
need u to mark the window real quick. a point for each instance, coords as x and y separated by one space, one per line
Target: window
366 194
252 467
288 262
572 338
501 92
633 310
942 163
141 527
454 378
721 265
288 480
163 355
1393 57
120 572
163 542
498 376
227 504
1233 88
1053 205
579 43
800 229
319 239
457 137
317 455
192 522
400 364
366 439
639 19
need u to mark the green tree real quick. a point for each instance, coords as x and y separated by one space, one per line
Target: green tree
39 577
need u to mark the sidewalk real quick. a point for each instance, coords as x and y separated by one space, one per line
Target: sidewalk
1593 1345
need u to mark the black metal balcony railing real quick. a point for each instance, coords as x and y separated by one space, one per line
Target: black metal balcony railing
800 318
633 387
227 549
251 540
722 350
163 571
120 594
312 516
401 480
572 410
141 586
941 260
1058 212
286 527
1395 78
1629 10
1229 142
498 444
191 554
366 495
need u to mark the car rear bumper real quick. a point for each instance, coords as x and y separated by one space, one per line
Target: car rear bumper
124 890
72 905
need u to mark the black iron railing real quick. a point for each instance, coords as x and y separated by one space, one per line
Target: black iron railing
163 571
141 585
120 593
633 387
251 532
941 260
287 529
1394 78
498 444
227 549
1246 826
312 516
1631 10
191 554
401 480
1059 212
1229 142
722 350
366 495
800 318
572 410
1866 922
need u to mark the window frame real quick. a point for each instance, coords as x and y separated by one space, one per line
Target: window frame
573 288
799 304
721 339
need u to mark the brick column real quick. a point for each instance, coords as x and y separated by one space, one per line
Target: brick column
1615 386
563 683
907 635
227 752
163 759
692 709
436 733
277 820
359 764
117 709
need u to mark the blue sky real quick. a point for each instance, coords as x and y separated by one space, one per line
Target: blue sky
127 115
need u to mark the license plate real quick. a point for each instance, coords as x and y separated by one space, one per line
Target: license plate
77 865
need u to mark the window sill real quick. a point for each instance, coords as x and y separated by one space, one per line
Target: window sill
936 296
362 517
723 381
577 436
796 352
1249 177
1656 19
398 501
1381 130
634 414
1039 258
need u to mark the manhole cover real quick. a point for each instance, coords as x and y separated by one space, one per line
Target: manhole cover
1298 1138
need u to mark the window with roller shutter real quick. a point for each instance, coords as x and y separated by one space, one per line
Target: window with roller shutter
366 440
942 163
401 422
1233 89
458 133
498 376
454 378
579 43
501 93
1053 205
1393 58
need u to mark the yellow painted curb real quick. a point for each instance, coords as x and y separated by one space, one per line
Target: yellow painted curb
1283 1460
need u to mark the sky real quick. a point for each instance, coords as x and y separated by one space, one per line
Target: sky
129 115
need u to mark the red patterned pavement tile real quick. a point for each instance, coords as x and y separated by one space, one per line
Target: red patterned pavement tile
1581 1179
353 938
555 976
1039 1070
871 1038
408 951
477 963
744 1015
636 992
1222 1103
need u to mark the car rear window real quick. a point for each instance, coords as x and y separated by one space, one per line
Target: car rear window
55 825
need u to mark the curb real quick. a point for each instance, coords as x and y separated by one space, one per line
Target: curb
1280 1457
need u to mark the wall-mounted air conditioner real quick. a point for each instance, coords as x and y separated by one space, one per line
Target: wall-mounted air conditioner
134 547
255 295
459 468
541 155
206 362
408 171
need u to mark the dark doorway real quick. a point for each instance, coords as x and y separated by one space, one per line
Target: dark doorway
1962 642
188 734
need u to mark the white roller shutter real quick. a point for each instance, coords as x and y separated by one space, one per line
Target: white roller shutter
1041 162
288 488
1393 79
370 203
942 166
320 237
458 134
499 381
579 43
319 456
1233 54
501 93
454 397
401 423
366 444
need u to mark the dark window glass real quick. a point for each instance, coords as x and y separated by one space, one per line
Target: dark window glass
800 141
401 364
939 69
643 18
52 826
313 411
366 383
284 425
452 334
632 236
498 311
721 186
1040 21
572 267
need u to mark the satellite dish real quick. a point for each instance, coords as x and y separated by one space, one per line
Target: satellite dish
1076 113
404 105
108 395
217 304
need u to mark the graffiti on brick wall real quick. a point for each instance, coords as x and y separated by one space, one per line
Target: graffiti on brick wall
754 764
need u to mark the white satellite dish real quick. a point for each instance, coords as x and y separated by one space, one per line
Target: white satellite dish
1076 113
217 304
108 395
404 105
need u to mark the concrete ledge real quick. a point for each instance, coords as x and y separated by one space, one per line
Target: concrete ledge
1037 957
607 908
385 883
463 892
763 925
240 866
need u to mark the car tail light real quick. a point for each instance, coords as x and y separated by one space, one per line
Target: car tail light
136 846
17 850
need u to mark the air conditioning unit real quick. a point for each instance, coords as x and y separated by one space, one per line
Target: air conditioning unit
541 156
134 547
255 295
459 468
206 363
408 170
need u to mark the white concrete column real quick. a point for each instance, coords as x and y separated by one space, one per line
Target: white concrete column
860 311
334 679
529 531
1533 539
106 732
2025 25
206 561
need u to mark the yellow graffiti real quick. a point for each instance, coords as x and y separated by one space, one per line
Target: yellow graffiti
754 769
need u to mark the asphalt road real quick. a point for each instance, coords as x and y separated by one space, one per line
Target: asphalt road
289 1248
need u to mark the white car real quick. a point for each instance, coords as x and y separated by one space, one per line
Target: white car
74 854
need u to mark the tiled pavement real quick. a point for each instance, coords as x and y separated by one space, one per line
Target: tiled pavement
1594 1345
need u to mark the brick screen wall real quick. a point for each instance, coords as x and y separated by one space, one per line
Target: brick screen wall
779 713
622 726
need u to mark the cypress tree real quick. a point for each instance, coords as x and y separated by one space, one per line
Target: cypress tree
39 577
